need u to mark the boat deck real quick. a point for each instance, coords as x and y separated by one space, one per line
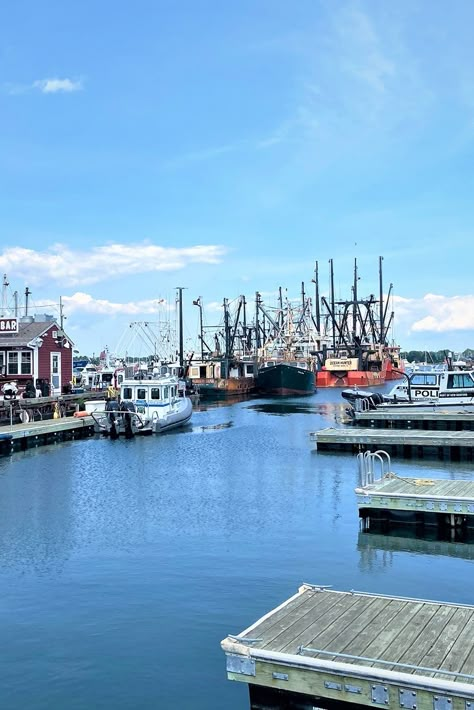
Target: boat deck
360 648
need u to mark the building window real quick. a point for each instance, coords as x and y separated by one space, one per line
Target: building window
2 363
13 363
26 363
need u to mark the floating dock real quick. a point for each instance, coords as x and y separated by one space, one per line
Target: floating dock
428 501
405 418
329 649
450 446
20 437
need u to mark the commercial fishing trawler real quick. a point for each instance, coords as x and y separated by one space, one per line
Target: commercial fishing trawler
357 352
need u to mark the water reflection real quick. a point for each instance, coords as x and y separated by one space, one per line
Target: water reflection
378 550
212 427
282 408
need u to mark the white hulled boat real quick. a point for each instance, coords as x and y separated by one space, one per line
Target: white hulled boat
148 404
428 389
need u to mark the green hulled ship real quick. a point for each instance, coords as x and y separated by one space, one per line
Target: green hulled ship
285 378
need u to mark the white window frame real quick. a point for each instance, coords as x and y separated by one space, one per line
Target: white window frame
10 353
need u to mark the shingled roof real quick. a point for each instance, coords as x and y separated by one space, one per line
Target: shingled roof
26 333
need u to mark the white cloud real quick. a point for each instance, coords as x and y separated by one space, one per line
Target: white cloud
54 86
435 313
66 266
84 303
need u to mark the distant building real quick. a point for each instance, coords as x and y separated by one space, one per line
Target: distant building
35 348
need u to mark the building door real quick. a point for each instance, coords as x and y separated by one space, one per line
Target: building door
55 373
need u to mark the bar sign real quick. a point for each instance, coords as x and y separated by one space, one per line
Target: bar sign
8 325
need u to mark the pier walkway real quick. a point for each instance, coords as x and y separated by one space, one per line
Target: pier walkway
447 445
330 649
23 436
408 418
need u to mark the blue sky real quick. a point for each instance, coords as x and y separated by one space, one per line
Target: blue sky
225 147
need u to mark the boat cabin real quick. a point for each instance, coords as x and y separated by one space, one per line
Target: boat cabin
149 395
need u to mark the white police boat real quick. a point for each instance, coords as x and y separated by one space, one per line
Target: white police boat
428 389
148 404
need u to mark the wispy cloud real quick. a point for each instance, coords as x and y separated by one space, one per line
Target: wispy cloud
53 85
203 155
71 267
81 302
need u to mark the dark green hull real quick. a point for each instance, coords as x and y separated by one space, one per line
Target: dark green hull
283 380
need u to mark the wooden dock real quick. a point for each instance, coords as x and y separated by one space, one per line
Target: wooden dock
23 436
330 649
406 418
455 445
431 501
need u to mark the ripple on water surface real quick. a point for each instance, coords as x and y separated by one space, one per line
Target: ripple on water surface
124 563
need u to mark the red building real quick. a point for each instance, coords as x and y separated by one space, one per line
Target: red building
35 349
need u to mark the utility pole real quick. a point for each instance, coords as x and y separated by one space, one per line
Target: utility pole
61 315
4 294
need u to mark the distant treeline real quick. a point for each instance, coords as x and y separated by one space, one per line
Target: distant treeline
435 356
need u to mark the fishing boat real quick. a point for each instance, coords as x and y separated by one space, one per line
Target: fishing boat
286 377
226 367
420 389
148 404
288 338
356 351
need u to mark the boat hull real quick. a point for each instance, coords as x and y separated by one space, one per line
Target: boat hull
285 380
223 388
352 378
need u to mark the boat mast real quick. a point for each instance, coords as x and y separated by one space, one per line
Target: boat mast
332 307
257 325
354 305
180 312
382 314
316 298
198 303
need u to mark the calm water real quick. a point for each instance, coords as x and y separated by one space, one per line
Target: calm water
124 563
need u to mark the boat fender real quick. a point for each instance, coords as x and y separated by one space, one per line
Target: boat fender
24 416
80 414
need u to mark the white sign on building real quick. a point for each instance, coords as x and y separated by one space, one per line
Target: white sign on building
8 325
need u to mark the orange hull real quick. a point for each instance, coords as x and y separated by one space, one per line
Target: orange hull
353 378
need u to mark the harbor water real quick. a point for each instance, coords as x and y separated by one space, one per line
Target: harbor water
124 563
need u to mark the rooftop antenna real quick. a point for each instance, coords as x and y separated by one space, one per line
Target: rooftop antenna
27 293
